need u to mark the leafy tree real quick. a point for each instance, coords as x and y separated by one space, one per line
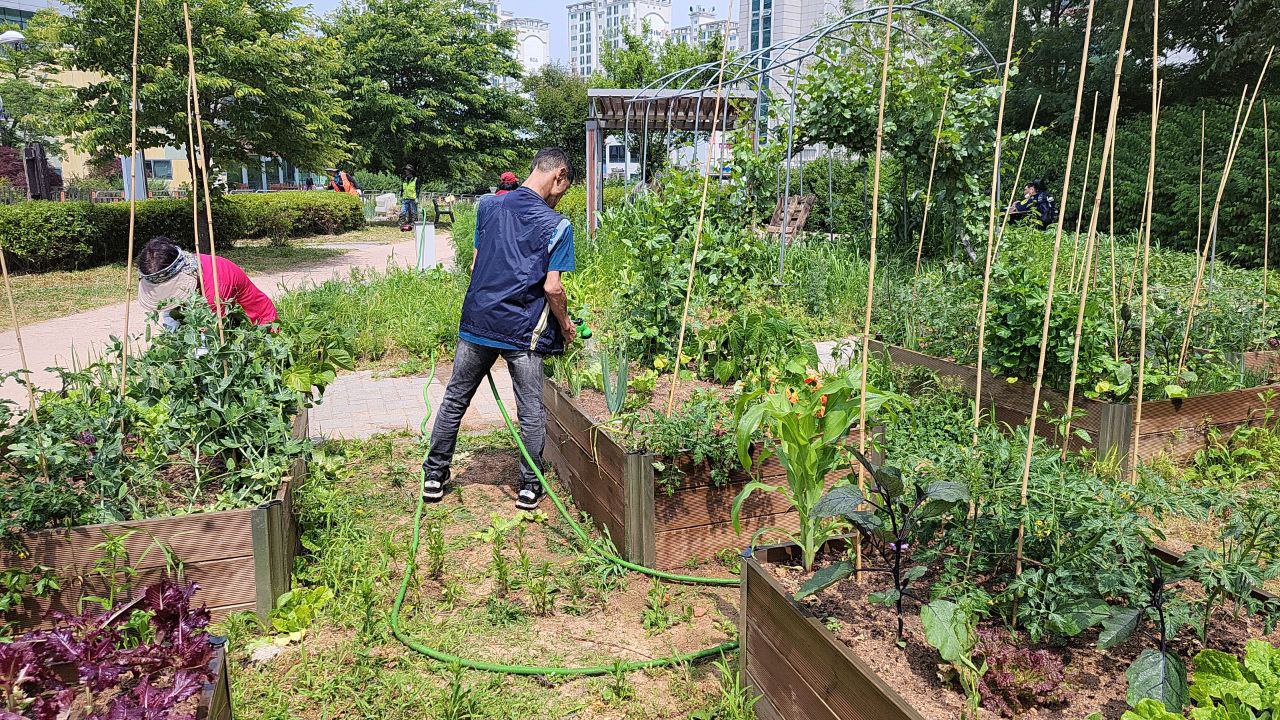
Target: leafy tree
838 104
425 85
266 84
638 61
559 111
34 102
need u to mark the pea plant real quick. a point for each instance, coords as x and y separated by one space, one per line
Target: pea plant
806 428
898 519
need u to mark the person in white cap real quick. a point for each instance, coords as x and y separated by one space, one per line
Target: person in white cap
170 273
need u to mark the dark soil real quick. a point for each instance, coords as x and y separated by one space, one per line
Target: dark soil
1095 680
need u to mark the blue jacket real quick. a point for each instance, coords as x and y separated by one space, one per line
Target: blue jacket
506 303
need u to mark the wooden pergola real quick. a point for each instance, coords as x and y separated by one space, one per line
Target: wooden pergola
645 111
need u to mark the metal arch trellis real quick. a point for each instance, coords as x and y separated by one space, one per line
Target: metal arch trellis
753 69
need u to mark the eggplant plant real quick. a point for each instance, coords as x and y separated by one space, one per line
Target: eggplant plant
1157 673
894 521
806 428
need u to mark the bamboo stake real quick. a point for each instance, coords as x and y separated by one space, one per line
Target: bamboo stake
1111 232
1057 246
1266 209
871 265
991 220
1088 160
133 198
1200 192
1211 238
195 195
1143 219
928 192
17 334
204 174
1017 176
1156 89
702 212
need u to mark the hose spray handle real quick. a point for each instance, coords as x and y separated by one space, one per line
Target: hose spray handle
584 330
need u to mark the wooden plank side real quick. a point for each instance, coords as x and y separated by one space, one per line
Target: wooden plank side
606 482
581 478
223 582
791 696
674 548
1235 406
707 505
194 538
847 684
763 707
583 429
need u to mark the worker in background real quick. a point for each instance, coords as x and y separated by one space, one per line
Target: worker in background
1036 206
408 195
348 183
515 308
507 183
170 273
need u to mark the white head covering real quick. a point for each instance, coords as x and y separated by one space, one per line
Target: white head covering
175 281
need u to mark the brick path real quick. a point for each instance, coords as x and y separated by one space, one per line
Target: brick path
69 340
358 405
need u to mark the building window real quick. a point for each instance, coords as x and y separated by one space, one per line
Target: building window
15 17
160 169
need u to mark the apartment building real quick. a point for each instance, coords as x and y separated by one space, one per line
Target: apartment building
597 24
533 42
703 25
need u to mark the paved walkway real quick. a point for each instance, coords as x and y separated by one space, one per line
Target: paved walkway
69 340
357 405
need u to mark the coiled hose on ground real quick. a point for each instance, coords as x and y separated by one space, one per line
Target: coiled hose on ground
583 537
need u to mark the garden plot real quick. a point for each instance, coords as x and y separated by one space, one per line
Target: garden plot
492 584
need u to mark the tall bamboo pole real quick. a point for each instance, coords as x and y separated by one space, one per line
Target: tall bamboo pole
195 194
1200 191
991 219
702 212
871 269
1156 88
1145 217
1211 239
204 171
1075 245
133 198
928 192
1266 209
1057 246
1111 233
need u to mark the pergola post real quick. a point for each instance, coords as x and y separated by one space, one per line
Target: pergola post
595 189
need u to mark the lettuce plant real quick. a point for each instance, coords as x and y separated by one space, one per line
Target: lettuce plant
144 668
1226 688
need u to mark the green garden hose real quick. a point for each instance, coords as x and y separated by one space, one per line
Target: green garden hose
411 569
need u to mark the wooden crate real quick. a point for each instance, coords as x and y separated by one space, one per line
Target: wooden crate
1173 428
649 525
241 559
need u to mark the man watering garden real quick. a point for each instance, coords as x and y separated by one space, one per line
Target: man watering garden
515 308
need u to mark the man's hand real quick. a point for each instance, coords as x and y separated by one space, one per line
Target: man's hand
559 303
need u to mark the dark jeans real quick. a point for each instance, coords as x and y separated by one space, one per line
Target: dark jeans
409 209
471 363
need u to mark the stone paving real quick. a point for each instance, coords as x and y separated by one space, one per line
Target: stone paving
359 405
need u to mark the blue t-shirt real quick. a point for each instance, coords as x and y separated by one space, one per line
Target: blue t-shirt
560 248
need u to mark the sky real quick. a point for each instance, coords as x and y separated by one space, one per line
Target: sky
553 11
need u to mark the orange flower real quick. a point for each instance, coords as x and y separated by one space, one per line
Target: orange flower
792 395
823 399
821 411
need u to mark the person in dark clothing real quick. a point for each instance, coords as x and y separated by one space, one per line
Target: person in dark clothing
1036 206
515 308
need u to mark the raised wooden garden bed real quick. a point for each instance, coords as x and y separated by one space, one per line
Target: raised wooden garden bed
241 559
799 668
653 527
1174 428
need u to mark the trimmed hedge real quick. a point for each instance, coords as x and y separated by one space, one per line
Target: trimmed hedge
40 235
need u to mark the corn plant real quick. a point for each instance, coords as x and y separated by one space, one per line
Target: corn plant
806 428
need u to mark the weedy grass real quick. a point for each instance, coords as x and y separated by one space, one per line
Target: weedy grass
558 609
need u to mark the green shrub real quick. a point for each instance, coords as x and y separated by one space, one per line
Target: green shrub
462 234
41 235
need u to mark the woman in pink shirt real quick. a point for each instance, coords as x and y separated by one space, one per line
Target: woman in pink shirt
168 273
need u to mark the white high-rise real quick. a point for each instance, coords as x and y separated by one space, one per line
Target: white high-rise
597 24
703 25
768 22
533 42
